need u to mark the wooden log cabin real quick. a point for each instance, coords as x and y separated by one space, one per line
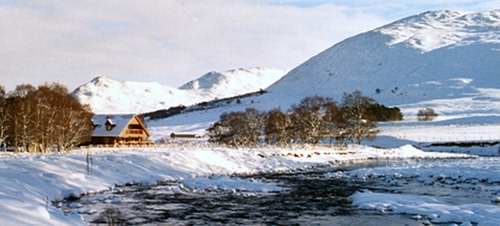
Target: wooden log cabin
119 130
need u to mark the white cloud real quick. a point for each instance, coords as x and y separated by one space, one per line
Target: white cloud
167 41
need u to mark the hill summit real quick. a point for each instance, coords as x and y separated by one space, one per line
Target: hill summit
430 56
105 95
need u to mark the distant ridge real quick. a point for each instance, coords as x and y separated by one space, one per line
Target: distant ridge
105 95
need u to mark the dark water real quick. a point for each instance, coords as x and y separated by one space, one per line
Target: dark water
306 198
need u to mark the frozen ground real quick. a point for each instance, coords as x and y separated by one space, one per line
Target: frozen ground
29 183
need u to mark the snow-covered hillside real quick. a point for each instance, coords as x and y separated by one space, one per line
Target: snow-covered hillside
446 60
430 56
105 95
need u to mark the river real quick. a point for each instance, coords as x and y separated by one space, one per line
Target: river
312 197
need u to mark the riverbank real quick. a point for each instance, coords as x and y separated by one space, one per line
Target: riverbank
464 192
29 183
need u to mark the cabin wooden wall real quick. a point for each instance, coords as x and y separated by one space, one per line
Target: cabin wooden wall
135 130
134 134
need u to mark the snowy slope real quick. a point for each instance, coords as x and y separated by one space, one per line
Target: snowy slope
446 60
430 56
105 95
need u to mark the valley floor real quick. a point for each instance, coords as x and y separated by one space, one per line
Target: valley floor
29 184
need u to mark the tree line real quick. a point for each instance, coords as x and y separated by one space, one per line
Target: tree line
315 119
41 119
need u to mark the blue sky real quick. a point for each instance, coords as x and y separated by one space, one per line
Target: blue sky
396 9
173 41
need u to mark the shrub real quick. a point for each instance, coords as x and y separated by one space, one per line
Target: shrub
311 121
237 128
426 114
381 113
307 119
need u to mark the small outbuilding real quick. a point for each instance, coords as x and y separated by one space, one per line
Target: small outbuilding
117 130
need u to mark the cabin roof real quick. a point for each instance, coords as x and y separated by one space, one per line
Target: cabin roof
118 124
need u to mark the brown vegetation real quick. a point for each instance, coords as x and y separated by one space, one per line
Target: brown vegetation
313 120
237 128
43 119
426 114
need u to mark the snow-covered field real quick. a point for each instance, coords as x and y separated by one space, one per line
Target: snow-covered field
29 183
455 129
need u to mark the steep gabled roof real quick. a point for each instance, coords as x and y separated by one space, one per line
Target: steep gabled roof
118 124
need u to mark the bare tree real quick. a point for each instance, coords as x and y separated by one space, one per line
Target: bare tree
358 122
237 128
426 114
20 108
311 121
45 118
334 123
68 123
3 118
307 119
276 127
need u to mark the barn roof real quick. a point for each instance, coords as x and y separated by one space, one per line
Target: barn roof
118 122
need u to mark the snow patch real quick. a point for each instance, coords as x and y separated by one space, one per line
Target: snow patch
433 208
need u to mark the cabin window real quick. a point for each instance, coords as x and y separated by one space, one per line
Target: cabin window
135 126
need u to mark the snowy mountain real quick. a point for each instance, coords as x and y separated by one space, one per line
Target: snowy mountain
430 56
234 82
105 95
446 60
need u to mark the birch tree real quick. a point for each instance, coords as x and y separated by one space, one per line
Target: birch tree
307 119
20 107
46 118
276 127
358 122
334 123
237 128
3 118
66 122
